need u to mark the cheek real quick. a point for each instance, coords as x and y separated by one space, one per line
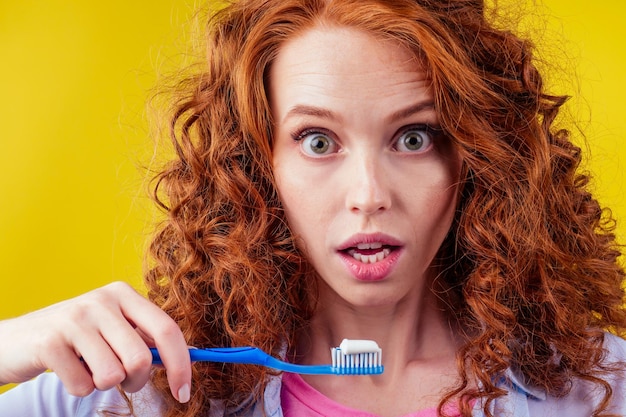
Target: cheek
309 204
440 200
448 199
450 179
303 218
295 196
292 202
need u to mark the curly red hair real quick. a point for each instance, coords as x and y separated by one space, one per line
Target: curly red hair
530 267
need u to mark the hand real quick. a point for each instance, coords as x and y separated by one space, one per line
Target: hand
110 328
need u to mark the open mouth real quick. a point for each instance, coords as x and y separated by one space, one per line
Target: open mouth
369 253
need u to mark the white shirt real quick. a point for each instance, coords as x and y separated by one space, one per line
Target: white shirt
45 397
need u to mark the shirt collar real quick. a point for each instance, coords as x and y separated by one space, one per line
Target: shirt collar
517 381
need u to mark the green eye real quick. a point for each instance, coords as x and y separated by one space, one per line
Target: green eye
317 144
414 140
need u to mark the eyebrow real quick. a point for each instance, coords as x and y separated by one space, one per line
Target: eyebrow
411 110
306 110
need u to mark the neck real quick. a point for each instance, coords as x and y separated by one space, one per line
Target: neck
413 330
418 341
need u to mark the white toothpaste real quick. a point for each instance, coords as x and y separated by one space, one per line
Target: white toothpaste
350 347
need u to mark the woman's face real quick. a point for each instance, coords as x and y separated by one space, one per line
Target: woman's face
367 182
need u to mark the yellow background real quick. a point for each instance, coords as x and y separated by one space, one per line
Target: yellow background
73 82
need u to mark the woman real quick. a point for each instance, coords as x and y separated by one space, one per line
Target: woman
370 169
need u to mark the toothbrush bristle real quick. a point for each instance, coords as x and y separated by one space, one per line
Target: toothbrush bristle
357 357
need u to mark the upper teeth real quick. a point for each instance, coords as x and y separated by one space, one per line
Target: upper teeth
376 245
370 259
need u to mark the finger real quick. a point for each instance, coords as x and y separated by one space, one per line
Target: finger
167 336
75 350
131 351
177 363
106 369
73 373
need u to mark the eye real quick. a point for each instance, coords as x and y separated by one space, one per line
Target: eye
316 143
416 139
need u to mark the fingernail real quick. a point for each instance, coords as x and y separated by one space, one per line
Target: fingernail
184 393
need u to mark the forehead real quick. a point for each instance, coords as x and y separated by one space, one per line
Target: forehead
344 62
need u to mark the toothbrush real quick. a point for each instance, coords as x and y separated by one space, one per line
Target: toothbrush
352 357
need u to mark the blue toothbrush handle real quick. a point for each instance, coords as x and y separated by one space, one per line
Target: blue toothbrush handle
230 355
248 355
255 356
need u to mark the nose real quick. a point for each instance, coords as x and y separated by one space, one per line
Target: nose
368 187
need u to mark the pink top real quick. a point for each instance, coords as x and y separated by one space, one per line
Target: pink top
299 399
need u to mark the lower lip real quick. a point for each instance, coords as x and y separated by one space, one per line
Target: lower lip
377 271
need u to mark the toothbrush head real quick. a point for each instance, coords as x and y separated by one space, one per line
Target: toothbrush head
357 357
